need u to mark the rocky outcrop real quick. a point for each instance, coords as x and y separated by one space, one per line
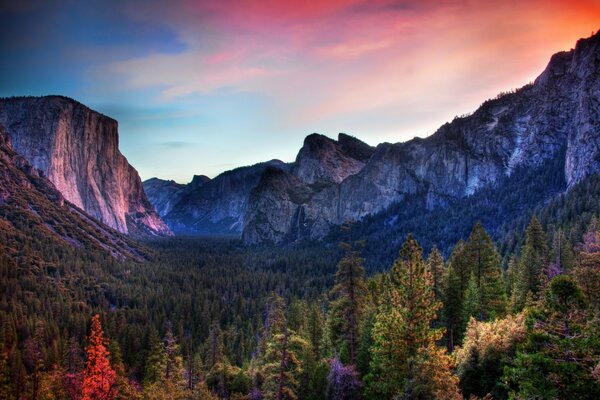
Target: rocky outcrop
165 194
556 116
33 211
77 149
216 206
323 160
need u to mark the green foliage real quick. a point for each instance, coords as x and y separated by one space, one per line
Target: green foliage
350 291
562 349
402 327
531 267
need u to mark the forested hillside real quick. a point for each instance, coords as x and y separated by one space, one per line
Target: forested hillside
213 319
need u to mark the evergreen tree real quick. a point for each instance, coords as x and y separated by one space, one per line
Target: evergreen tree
349 292
435 264
99 376
484 259
587 271
402 332
173 358
534 260
562 348
156 361
315 330
472 304
456 280
281 367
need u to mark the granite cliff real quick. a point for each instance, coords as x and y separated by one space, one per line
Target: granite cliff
556 116
34 213
76 148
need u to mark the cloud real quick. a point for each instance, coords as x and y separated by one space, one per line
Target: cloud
316 60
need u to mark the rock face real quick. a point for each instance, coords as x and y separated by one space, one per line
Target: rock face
557 116
208 206
77 149
33 210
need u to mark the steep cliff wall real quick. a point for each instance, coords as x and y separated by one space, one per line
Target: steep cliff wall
77 149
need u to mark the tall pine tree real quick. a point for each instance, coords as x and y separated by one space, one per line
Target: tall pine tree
402 335
349 291
531 267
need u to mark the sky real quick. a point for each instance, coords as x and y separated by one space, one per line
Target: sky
200 87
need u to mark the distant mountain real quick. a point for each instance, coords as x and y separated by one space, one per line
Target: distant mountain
207 206
549 127
77 149
35 215
556 116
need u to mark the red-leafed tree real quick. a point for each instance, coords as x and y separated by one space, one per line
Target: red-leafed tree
99 377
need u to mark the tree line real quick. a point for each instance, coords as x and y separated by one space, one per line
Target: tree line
428 328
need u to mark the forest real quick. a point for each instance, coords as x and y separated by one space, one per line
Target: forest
207 318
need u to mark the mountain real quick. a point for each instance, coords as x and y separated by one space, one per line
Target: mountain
219 206
556 116
207 206
34 215
78 150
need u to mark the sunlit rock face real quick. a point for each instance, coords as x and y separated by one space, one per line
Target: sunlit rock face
556 116
77 149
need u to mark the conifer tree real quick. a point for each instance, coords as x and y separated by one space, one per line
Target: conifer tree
402 333
484 259
534 260
472 304
156 360
349 292
435 264
315 329
562 348
215 346
456 280
99 376
281 366
173 359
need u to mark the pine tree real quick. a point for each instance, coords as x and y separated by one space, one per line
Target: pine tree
402 332
472 304
281 367
156 361
435 264
215 345
534 260
173 359
99 377
315 329
349 291
456 280
562 348
484 259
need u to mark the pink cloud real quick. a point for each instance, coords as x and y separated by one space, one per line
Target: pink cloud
321 60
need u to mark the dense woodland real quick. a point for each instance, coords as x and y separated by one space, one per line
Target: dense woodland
511 315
